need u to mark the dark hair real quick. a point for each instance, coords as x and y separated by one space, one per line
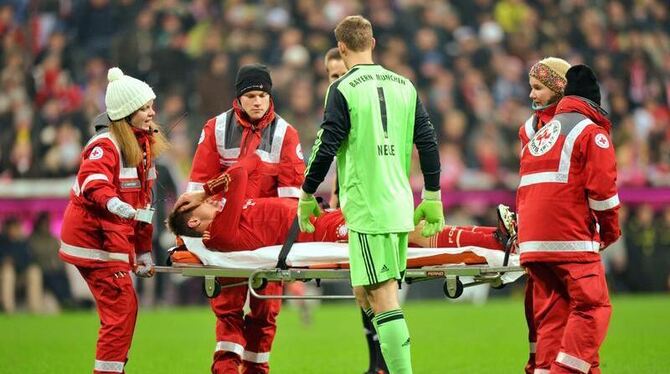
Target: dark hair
332 54
177 223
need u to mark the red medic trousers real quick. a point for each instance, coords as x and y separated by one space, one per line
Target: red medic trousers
530 322
244 341
116 301
571 312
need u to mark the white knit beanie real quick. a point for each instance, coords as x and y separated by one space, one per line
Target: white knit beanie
125 94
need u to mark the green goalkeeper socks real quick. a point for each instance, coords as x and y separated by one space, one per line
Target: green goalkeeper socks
394 339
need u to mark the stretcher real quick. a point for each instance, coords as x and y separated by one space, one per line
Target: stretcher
328 261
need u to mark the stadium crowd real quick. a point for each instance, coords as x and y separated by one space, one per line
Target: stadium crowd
469 60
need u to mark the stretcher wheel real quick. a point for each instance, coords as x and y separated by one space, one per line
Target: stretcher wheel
211 288
498 284
453 288
259 284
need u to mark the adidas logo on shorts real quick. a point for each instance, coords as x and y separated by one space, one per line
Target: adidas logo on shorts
384 268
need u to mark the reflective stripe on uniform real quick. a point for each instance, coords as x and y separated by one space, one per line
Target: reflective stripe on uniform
127 173
93 177
606 204
194 186
229 347
92 254
104 135
228 154
541 371
113 366
528 126
220 134
288 192
124 172
256 357
561 175
559 246
573 362
277 142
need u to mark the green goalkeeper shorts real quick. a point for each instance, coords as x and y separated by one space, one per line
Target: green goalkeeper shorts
375 258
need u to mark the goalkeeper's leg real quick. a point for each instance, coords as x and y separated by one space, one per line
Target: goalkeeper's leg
378 261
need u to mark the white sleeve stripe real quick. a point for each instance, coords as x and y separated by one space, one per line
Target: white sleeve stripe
606 204
91 178
288 192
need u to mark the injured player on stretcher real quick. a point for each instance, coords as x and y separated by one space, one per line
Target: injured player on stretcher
235 223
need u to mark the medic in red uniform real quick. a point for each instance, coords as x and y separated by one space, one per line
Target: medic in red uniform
250 127
107 226
567 209
547 81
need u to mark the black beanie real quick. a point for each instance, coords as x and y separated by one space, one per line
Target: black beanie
582 82
253 77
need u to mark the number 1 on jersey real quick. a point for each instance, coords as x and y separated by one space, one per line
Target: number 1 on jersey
382 109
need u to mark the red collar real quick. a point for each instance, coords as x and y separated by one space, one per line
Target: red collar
577 104
245 121
545 115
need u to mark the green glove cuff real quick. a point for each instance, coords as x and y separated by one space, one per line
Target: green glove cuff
305 196
431 195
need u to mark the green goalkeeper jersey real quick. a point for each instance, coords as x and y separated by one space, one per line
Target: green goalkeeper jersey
372 118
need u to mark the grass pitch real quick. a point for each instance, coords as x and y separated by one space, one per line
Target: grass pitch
446 338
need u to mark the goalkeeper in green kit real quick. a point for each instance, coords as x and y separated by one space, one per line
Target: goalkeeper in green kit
372 118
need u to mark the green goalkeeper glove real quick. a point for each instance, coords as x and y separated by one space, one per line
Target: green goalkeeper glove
431 211
307 207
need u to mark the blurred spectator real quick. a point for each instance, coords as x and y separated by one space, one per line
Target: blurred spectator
470 57
43 249
213 81
16 274
647 260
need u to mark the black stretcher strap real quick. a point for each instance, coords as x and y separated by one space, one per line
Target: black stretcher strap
286 247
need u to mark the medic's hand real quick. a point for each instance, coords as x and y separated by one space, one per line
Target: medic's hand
120 208
190 200
431 211
307 207
144 265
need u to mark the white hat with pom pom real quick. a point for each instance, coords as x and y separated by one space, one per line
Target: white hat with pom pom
125 94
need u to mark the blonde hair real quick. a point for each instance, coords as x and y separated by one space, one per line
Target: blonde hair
355 32
130 148
559 65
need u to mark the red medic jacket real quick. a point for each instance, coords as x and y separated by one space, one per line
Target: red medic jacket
567 197
92 236
535 123
231 135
